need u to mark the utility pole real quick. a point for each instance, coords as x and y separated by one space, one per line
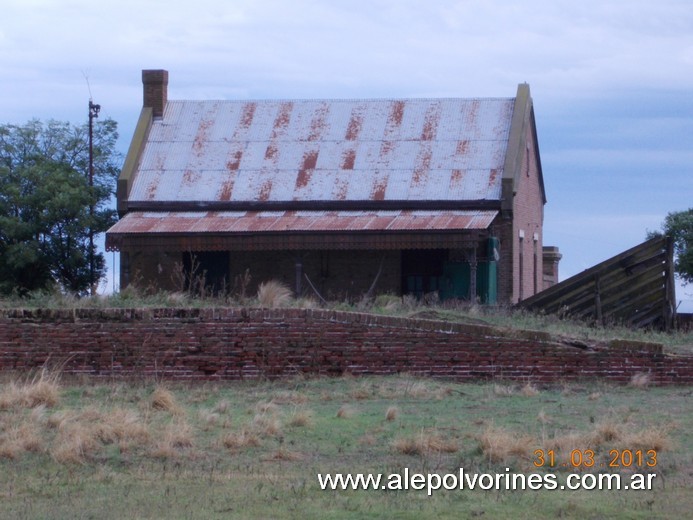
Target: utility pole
93 114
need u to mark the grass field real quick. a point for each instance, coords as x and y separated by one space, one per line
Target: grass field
74 448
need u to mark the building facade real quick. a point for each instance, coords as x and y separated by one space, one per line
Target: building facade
339 198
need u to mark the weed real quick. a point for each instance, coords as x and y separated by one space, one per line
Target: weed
391 413
346 411
284 454
529 390
266 425
300 418
425 442
273 294
501 445
163 399
41 390
243 439
173 440
503 390
640 380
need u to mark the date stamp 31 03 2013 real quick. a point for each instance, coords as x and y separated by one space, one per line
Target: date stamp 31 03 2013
587 458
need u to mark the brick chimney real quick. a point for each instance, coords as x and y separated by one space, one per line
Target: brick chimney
155 90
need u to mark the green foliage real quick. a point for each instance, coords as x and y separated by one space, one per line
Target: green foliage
679 226
45 201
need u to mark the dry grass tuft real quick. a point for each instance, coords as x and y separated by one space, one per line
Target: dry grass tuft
290 397
362 392
123 426
273 294
391 413
42 390
266 425
608 432
529 390
346 411
426 442
208 418
563 445
368 439
59 418
221 407
419 390
543 418
264 407
500 445
175 438
503 390
20 439
640 380
74 444
243 439
163 399
652 438
300 419
283 454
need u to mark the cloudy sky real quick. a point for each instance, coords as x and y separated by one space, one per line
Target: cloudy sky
612 81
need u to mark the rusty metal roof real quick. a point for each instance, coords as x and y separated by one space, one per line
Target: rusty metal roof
303 150
244 222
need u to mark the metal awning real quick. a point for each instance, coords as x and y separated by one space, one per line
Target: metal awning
258 230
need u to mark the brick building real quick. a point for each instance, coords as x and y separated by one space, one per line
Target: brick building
339 197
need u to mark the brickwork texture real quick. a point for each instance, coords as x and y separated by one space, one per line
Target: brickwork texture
234 343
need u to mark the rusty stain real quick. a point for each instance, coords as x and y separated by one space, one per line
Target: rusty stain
492 177
379 188
303 178
151 190
422 167
348 159
462 147
342 190
385 148
235 163
265 190
227 189
355 124
247 115
189 177
201 137
310 160
317 125
282 120
431 121
258 223
456 179
396 114
473 110
271 152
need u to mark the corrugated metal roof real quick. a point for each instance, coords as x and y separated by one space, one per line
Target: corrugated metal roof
415 149
231 222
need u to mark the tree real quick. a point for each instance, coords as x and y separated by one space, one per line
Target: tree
679 226
45 201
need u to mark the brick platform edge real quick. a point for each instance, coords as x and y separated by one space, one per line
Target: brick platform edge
235 343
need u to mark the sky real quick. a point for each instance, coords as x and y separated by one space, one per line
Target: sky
611 81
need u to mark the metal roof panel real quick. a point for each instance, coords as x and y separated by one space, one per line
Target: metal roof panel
415 149
299 221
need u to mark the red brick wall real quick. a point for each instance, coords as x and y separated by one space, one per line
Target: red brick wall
251 343
528 216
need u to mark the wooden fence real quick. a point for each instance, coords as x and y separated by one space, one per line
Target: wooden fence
635 288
